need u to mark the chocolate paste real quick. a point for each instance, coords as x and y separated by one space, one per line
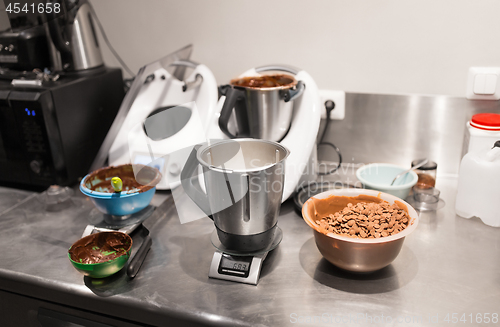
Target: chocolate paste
425 180
265 81
146 179
100 247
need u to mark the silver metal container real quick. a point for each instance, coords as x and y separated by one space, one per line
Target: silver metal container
244 181
261 112
73 40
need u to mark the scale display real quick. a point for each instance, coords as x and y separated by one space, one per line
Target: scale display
237 268
234 265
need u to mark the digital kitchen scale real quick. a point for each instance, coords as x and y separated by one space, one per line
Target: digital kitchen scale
236 266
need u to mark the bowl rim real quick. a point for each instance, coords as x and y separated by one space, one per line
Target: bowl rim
105 262
354 192
123 194
413 181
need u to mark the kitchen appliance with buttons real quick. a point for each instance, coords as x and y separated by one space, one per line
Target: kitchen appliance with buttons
24 49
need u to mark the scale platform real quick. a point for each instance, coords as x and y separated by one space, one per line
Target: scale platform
239 267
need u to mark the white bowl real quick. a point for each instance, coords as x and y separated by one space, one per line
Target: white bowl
379 176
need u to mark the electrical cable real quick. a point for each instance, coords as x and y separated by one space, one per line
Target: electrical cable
329 106
104 36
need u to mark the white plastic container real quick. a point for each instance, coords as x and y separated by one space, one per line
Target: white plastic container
479 186
482 132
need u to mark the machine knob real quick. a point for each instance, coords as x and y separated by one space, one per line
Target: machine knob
36 166
174 169
11 47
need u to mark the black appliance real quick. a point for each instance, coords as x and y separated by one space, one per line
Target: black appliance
50 134
65 40
24 49
57 99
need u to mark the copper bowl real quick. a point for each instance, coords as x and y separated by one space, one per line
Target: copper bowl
357 254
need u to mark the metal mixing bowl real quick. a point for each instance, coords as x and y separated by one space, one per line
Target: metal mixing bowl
102 269
356 254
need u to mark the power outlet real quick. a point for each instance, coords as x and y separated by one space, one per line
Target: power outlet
338 97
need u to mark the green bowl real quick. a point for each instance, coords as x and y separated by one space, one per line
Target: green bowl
95 243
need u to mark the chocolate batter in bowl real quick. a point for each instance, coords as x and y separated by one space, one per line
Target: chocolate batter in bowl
100 180
353 254
139 187
102 254
266 81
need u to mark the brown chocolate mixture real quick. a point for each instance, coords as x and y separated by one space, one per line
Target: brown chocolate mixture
425 180
362 216
100 247
100 180
265 81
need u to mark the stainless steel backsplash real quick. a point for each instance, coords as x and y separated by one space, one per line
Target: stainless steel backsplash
400 128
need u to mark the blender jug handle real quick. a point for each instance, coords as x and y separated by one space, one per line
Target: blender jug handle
289 95
191 185
232 95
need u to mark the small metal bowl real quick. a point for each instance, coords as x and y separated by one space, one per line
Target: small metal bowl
356 254
126 202
78 253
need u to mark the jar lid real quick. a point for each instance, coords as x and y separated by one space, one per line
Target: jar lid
486 121
430 165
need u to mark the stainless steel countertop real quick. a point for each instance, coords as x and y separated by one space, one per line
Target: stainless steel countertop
448 265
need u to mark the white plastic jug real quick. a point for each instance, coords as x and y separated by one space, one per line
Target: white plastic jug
479 186
482 131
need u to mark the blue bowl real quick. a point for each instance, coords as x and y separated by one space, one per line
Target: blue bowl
378 176
128 201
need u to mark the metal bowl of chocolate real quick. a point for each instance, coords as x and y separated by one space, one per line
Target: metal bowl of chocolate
137 187
273 81
359 230
100 255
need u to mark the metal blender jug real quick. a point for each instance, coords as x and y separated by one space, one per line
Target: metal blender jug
244 181
263 105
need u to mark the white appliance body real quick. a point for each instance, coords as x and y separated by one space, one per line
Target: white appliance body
132 145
